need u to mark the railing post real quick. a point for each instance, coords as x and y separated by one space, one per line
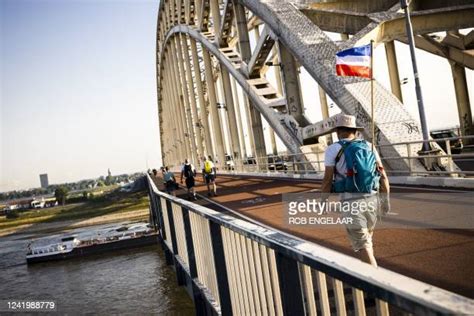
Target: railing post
220 268
290 285
174 244
189 243
410 163
450 157
160 219
195 292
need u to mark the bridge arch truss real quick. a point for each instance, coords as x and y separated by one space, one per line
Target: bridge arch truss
213 86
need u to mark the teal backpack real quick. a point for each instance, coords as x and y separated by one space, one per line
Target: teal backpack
362 173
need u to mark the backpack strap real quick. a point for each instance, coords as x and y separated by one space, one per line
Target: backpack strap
344 145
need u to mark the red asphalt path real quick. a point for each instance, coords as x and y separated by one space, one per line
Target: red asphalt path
441 257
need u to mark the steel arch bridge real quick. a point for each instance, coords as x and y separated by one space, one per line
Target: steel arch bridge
213 85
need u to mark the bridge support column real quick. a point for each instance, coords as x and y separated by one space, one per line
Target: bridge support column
393 70
253 115
179 105
216 122
323 100
238 115
291 85
462 98
192 96
203 111
173 107
216 17
162 110
231 115
188 115
279 89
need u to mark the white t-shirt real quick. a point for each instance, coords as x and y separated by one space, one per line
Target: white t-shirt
341 168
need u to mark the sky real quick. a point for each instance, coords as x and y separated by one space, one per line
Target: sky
78 89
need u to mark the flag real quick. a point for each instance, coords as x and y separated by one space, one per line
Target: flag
354 62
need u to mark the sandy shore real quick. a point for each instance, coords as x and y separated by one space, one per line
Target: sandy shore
70 224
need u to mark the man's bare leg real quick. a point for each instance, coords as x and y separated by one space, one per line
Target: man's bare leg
367 255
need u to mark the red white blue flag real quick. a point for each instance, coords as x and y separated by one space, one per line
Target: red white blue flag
354 62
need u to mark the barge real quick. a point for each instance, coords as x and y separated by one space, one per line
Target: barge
91 241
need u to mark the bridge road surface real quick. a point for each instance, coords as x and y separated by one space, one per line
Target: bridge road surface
441 257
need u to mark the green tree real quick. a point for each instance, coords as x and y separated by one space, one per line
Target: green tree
61 194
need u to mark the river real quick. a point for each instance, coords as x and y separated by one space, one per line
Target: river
135 281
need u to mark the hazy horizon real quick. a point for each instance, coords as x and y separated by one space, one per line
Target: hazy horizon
78 90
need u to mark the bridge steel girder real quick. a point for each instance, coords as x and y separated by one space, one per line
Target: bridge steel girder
203 110
193 114
191 154
393 70
183 147
231 115
262 49
424 22
462 98
453 54
215 118
288 136
174 99
254 120
314 50
291 85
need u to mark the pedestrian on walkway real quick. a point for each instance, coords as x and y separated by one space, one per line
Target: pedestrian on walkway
170 181
353 168
189 172
209 175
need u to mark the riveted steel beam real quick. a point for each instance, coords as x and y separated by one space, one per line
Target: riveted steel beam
226 26
262 50
429 21
432 45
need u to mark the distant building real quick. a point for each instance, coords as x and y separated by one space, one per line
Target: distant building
44 180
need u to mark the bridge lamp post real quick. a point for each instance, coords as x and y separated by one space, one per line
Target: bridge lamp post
419 96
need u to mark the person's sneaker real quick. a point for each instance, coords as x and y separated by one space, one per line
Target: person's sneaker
195 198
215 194
209 194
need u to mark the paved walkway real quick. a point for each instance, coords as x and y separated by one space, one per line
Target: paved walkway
442 257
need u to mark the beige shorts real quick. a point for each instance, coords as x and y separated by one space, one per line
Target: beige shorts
361 228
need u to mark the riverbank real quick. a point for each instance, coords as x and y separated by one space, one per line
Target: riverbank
113 207
52 227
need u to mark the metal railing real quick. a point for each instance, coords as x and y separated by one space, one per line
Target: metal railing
230 266
299 164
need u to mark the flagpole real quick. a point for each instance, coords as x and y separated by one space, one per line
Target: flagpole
372 91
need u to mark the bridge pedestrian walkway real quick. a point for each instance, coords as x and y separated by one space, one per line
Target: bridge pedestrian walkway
441 257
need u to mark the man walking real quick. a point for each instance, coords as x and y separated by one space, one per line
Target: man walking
189 172
209 174
353 168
